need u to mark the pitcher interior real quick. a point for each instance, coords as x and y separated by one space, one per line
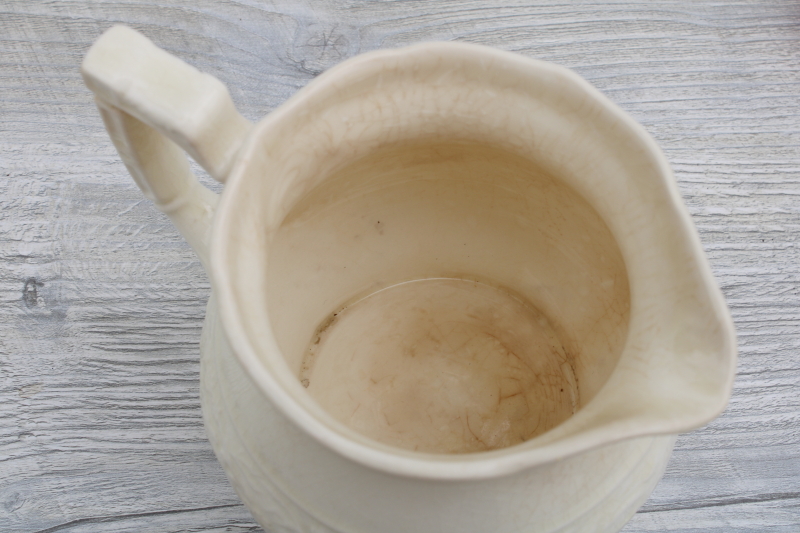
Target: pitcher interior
450 249
447 296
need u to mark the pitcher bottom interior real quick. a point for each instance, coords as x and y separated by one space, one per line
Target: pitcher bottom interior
442 365
447 297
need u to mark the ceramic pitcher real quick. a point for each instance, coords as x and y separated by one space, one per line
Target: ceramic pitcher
444 198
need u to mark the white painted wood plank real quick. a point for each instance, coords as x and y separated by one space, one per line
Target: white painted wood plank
100 426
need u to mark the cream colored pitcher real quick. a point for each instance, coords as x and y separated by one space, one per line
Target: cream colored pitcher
454 289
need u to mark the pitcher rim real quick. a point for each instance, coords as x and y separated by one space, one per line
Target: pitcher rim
397 461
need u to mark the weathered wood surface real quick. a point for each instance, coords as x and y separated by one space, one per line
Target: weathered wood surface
102 302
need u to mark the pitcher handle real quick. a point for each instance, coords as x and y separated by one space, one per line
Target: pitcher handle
153 104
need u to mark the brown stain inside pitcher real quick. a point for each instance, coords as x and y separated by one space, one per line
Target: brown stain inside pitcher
447 297
442 366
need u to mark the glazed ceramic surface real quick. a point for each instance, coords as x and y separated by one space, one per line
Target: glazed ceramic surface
409 217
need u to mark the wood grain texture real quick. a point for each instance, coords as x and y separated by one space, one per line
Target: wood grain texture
101 302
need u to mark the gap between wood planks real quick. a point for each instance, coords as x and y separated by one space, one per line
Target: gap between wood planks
114 518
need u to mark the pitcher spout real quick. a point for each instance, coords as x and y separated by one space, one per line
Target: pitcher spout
678 366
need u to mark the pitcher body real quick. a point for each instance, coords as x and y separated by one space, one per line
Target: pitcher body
454 289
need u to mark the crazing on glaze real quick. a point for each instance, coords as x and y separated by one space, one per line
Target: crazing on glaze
442 366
